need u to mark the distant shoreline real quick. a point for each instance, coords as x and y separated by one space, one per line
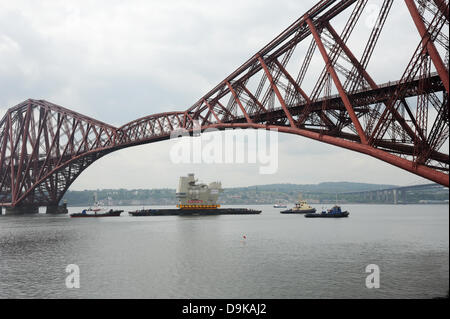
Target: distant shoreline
316 194
149 205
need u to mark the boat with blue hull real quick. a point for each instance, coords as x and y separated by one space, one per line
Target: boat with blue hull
334 212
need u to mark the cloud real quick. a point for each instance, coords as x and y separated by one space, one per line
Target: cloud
147 56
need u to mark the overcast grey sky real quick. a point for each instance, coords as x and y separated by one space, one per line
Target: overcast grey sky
120 60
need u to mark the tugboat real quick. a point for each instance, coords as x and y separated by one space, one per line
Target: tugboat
279 206
196 199
301 207
334 212
97 213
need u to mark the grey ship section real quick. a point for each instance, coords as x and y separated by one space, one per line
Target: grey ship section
193 195
196 199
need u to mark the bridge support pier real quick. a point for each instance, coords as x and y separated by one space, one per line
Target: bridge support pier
22 210
56 209
403 196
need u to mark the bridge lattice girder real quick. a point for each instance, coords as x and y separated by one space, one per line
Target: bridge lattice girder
44 147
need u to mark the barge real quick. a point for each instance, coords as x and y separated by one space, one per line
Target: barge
194 212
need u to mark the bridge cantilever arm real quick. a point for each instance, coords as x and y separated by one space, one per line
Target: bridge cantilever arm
337 82
277 92
431 49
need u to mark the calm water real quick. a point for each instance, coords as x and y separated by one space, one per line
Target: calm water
284 256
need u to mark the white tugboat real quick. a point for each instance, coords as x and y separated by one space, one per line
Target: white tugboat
301 207
196 199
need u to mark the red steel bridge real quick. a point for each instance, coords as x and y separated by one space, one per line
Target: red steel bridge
44 147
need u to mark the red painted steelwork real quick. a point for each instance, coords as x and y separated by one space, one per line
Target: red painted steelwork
45 147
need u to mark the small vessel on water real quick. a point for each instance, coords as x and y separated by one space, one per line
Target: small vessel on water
279 206
97 213
301 207
196 199
334 212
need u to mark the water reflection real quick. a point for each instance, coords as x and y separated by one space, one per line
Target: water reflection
282 256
